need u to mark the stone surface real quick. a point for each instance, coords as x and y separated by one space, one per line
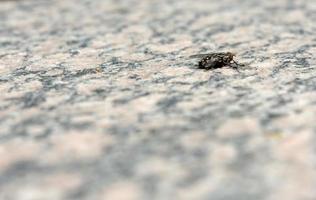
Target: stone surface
99 100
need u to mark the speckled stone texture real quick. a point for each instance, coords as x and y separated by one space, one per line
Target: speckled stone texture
99 100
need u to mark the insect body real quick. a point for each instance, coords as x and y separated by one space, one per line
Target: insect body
216 60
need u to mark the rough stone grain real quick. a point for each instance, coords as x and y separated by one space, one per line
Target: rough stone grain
100 100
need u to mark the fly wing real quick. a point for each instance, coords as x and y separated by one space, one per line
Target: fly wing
200 55
215 59
213 62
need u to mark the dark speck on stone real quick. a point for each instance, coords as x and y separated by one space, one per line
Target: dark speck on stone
115 61
32 99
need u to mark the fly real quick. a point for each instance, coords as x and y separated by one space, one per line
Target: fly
216 60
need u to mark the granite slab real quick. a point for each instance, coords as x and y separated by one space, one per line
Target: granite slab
101 100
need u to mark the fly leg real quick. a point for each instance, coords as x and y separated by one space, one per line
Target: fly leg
237 64
234 65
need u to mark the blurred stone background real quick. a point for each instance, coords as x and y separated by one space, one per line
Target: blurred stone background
99 100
